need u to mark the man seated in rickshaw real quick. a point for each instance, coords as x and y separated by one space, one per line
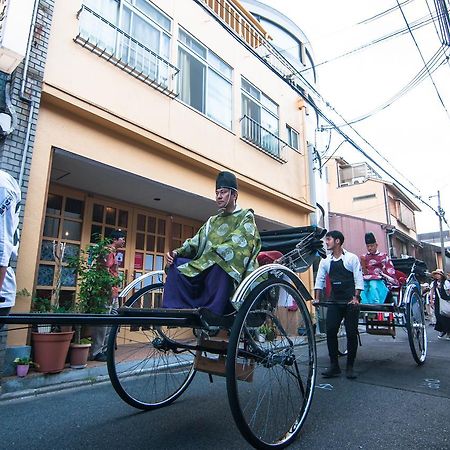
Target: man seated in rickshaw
378 273
208 267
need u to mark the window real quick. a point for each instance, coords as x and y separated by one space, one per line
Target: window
293 137
205 80
145 27
364 197
61 235
260 118
149 27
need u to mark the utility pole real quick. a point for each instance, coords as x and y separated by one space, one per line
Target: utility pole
440 214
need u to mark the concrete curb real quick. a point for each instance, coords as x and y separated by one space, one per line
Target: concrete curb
36 383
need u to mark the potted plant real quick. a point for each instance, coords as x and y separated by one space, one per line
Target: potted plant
51 347
95 285
23 365
79 353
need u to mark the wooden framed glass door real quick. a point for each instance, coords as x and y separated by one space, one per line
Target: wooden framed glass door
105 217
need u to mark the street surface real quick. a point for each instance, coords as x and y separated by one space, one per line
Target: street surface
392 405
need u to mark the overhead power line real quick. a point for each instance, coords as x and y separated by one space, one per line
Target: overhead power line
383 13
423 59
436 61
419 23
301 92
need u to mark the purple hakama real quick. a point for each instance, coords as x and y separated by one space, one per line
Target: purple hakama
210 289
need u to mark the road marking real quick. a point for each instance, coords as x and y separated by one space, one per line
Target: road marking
431 383
325 386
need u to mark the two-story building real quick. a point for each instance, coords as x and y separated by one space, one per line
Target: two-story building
128 110
359 200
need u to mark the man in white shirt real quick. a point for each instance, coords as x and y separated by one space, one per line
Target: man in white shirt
344 271
9 242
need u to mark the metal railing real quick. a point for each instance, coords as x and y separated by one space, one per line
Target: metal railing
263 139
237 21
248 32
119 48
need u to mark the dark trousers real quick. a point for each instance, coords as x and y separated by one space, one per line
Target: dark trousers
335 314
210 289
3 336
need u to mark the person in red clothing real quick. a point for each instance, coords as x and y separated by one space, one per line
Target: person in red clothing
100 335
378 272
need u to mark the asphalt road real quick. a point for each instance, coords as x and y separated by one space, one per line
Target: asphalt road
392 404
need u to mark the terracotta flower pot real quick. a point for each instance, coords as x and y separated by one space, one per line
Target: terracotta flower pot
22 370
50 350
79 355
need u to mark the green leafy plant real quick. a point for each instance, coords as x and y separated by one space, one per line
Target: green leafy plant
268 331
94 280
40 305
25 362
85 341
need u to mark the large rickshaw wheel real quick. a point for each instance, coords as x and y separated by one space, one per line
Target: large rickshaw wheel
415 324
270 384
145 366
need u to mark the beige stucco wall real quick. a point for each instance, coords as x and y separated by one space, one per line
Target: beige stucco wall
84 76
342 201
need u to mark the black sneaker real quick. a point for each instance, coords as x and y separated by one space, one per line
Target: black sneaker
100 357
331 372
350 374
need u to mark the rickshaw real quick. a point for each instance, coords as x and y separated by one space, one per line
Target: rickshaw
404 308
265 348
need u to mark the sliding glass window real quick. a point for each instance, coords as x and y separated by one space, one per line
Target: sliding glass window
259 118
205 80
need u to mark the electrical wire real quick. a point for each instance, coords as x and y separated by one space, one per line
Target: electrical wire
336 149
435 62
423 59
301 92
383 13
419 23
434 23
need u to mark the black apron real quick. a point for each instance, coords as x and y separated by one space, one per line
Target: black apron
342 282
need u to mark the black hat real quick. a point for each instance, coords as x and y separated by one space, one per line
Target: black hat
117 234
226 180
370 238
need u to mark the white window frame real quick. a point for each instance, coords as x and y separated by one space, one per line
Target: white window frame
135 10
290 131
208 67
260 103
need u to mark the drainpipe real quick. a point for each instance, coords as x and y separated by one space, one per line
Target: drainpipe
312 182
389 242
388 222
22 95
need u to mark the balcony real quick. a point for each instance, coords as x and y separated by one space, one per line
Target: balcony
108 41
264 140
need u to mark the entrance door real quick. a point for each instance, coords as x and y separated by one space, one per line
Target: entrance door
150 245
105 217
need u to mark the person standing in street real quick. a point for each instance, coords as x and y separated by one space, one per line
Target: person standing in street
344 271
440 290
9 244
100 335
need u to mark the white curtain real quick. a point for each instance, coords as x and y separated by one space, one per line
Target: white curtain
97 31
219 99
184 76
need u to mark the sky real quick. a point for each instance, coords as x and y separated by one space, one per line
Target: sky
413 134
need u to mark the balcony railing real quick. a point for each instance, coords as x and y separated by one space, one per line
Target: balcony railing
119 48
263 139
252 33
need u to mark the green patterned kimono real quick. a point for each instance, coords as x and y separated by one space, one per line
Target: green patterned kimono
230 240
